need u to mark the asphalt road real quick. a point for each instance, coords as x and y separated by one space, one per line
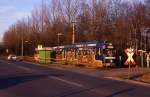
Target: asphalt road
20 79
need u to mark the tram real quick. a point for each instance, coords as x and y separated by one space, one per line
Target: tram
91 54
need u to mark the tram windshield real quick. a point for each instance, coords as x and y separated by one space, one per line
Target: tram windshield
109 52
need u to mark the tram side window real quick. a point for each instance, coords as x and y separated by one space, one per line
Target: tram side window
64 53
75 53
79 52
59 52
85 52
93 51
88 52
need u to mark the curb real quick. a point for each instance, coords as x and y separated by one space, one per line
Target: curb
129 81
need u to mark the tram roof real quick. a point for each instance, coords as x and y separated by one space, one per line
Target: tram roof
58 47
91 44
70 46
83 44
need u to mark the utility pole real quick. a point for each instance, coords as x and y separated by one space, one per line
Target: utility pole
141 41
73 33
42 16
136 46
146 37
22 45
143 35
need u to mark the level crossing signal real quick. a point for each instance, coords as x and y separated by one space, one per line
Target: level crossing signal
130 52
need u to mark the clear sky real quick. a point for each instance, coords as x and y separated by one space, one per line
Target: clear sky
13 10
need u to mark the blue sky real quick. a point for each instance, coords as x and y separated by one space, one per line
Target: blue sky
13 10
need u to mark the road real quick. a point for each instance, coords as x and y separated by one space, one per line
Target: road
21 79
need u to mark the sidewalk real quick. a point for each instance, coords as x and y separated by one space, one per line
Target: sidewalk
144 78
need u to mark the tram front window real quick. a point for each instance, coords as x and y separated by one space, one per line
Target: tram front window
109 53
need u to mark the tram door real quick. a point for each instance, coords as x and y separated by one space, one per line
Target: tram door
59 56
90 56
98 54
85 56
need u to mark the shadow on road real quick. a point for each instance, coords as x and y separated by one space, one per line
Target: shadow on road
93 90
7 82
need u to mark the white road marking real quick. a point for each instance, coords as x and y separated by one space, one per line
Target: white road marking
117 79
68 82
24 68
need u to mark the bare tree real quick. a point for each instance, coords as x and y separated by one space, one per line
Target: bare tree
113 20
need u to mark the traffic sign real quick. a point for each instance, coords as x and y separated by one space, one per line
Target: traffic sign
130 52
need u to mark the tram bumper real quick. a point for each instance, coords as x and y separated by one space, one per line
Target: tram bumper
109 61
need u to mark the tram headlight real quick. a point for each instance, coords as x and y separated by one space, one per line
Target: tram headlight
111 61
